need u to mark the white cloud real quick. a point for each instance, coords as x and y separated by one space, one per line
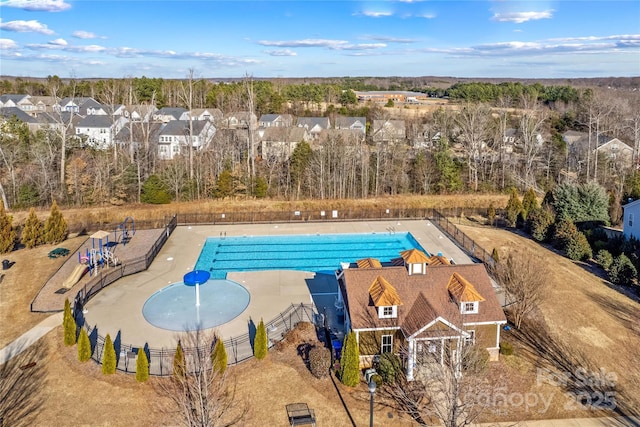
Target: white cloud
84 35
37 5
391 39
376 13
7 44
59 42
21 26
324 43
281 52
520 17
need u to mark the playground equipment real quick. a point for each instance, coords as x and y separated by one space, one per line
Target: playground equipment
126 229
100 256
75 276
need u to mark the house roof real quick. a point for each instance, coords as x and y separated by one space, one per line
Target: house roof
414 256
8 112
383 294
311 122
181 127
96 121
462 290
174 112
347 122
284 134
438 260
13 97
368 263
425 297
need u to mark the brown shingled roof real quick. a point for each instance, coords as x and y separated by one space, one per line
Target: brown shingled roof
462 290
425 297
438 260
369 263
414 256
383 294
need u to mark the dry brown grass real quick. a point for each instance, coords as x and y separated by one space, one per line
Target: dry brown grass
579 308
581 312
143 212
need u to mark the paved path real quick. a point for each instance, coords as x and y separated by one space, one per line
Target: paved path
29 337
573 422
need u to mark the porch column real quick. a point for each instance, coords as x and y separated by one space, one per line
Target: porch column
498 335
411 360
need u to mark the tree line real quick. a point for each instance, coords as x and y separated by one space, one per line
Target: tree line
457 148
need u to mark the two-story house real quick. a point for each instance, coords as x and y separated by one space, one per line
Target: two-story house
275 120
279 142
99 130
422 307
353 123
314 125
389 131
21 101
167 114
176 135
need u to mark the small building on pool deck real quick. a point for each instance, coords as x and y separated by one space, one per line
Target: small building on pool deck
419 306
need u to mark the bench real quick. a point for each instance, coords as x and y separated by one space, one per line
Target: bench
299 414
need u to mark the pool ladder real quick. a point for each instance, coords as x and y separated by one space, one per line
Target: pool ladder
391 230
223 234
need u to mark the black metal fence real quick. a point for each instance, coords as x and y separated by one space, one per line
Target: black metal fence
238 349
105 277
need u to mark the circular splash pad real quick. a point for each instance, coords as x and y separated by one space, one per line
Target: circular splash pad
174 307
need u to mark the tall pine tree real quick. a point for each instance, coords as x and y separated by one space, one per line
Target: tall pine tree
179 362
55 228
260 342
109 361
32 232
350 361
84 346
68 324
142 366
219 357
7 233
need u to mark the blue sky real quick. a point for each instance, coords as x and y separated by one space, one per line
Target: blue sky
500 38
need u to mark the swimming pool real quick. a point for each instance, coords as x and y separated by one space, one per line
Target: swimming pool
312 252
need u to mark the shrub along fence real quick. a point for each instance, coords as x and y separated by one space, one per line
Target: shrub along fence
238 349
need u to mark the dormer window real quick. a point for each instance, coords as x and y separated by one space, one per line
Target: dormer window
388 312
469 307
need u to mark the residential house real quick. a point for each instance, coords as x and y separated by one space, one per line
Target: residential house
78 105
20 101
348 137
140 112
420 306
240 120
631 218
353 123
167 114
618 154
279 142
139 134
7 113
211 114
43 104
314 125
388 131
99 130
275 120
174 138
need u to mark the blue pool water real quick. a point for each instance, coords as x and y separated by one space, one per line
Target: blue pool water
298 252
174 307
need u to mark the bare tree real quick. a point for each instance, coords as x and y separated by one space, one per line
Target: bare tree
451 387
523 276
532 119
23 377
474 124
201 396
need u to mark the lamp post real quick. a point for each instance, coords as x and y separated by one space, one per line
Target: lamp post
372 390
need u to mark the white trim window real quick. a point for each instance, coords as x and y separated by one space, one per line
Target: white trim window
471 339
387 344
469 307
388 312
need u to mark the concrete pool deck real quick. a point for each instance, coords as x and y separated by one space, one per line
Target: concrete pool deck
118 307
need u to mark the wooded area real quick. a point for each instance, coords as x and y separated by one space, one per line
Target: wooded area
483 136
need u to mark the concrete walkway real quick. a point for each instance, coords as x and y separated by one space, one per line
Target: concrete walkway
29 337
